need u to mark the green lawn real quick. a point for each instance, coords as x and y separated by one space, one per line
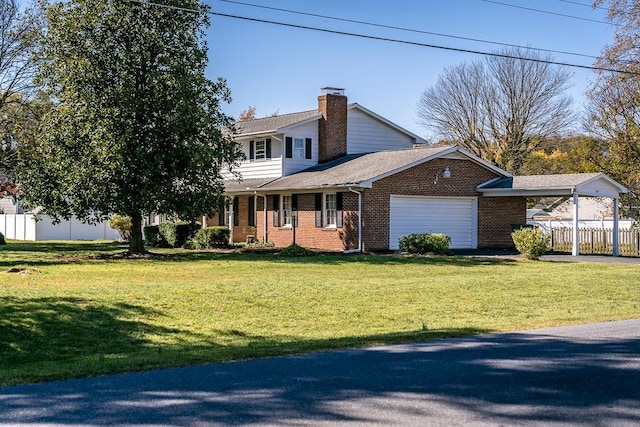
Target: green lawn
75 311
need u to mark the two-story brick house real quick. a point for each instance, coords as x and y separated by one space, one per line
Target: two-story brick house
341 177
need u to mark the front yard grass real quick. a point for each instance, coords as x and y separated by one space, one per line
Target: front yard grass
72 309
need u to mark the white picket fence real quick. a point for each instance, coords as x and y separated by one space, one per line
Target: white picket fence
25 227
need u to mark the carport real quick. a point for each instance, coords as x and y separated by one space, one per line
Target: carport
562 185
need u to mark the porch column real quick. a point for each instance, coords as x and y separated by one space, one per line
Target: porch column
230 218
576 233
616 229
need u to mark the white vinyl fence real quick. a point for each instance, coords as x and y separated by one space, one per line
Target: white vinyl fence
25 227
583 223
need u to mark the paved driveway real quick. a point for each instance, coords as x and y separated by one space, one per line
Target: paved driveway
580 375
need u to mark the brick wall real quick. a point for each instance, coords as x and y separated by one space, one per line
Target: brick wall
307 234
332 127
242 230
496 215
419 181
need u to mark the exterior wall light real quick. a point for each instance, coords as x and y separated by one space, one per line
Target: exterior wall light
446 173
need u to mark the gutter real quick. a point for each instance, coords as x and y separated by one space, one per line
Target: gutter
359 248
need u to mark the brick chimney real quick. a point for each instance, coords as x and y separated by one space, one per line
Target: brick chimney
332 127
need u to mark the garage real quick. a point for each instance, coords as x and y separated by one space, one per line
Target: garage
456 217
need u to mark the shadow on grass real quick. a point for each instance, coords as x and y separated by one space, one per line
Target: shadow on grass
56 338
493 379
50 329
37 254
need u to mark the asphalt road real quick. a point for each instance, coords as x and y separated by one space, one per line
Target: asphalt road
580 375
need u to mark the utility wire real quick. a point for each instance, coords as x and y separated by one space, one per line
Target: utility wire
551 13
583 4
412 30
370 37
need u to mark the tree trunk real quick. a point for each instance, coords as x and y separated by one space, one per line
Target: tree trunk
136 242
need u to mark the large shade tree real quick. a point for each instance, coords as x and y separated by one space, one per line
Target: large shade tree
500 109
137 127
614 107
20 29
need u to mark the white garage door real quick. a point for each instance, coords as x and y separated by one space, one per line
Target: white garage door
457 217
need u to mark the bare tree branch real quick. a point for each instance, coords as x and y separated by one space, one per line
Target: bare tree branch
500 109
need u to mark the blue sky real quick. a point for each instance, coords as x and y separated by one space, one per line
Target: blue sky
280 69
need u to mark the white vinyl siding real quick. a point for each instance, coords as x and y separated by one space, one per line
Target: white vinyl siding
366 134
267 168
302 132
456 217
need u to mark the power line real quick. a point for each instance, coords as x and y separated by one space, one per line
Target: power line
387 39
550 13
413 30
583 4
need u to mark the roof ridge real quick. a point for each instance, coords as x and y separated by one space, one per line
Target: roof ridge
278 115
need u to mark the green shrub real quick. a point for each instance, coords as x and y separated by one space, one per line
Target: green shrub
176 234
532 243
122 224
2 241
152 236
211 237
436 243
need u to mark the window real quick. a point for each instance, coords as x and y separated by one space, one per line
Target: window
287 204
298 148
330 210
261 150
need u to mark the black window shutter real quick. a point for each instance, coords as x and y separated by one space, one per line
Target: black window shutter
294 201
221 212
236 211
252 150
276 210
288 147
318 209
307 148
252 211
268 144
338 210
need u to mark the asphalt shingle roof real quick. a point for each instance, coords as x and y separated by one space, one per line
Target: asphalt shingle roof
530 182
271 124
347 170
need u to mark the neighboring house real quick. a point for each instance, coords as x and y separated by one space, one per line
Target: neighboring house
591 208
595 213
350 180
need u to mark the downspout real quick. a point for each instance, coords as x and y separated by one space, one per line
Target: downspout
359 248
264 206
